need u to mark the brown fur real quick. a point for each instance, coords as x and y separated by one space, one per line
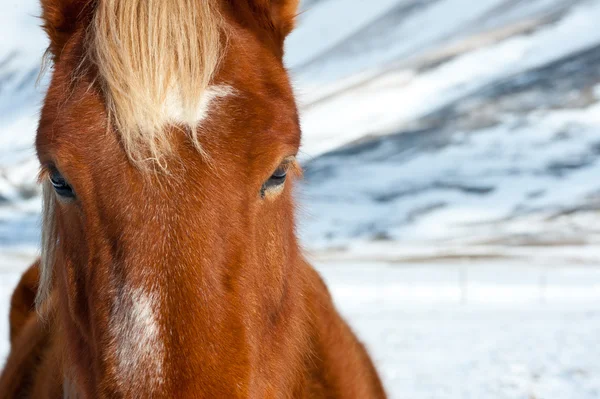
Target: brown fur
237 309
23 300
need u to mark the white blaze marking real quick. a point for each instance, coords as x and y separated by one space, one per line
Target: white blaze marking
175 112
140 350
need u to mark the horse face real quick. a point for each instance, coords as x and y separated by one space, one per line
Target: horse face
148 237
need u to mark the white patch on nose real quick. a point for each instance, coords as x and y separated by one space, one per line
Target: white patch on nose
140 350
175 112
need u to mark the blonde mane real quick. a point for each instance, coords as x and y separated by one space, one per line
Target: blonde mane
156 59
49 242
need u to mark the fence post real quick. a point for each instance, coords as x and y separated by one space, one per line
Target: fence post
543 284
464 283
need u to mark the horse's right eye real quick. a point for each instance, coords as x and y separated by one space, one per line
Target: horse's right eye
275 183
60 184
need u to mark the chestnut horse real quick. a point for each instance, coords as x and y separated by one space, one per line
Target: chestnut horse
170 265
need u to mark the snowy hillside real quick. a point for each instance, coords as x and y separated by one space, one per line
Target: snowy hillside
451 128
21 46
451 193
436 127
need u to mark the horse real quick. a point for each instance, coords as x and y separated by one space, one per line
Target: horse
170 265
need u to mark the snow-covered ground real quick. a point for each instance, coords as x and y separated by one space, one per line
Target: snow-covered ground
459 331
451 193
484 330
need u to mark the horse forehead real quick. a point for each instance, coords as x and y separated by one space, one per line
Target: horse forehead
269 109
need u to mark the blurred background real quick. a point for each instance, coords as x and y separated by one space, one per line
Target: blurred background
452 185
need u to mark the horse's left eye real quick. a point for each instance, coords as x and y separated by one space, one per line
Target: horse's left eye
60 184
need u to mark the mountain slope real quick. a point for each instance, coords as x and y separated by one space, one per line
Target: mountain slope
430 127
484 143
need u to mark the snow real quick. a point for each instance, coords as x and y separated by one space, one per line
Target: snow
19 65
510 160
314 35
517 166
466 330
382 104
475 330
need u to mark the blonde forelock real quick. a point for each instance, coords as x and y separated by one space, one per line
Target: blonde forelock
154 57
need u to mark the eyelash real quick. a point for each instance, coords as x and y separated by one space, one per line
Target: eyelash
60 184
